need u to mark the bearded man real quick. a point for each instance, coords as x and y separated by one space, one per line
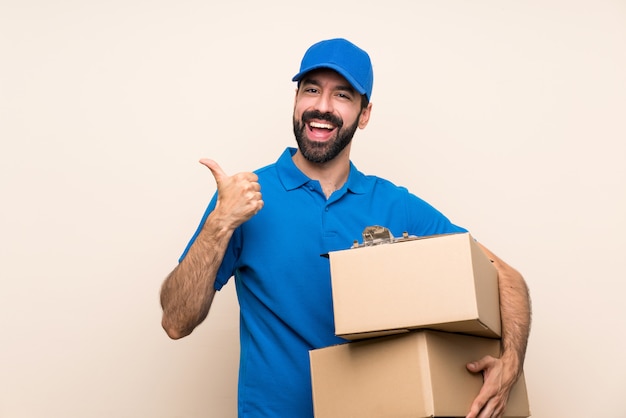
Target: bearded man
283 286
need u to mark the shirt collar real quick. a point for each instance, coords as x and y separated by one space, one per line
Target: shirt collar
292 178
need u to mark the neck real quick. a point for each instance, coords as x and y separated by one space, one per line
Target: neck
331 175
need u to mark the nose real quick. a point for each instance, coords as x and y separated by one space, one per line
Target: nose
324 103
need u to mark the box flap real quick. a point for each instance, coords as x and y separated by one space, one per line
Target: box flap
487 289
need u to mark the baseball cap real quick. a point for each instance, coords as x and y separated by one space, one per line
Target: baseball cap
343 56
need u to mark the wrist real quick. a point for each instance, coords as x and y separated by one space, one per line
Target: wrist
513 363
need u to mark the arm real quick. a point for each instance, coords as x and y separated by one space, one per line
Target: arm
501 374
188 291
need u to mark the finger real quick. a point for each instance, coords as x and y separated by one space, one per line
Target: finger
215 168
478 408
475 409
480 365
473 367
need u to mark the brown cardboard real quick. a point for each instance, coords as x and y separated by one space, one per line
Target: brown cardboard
443 282
420 374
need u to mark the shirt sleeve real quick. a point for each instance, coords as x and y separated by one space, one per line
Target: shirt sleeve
425 219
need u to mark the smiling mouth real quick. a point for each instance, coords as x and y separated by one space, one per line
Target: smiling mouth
318 125
316 120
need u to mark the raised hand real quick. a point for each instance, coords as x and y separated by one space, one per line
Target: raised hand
239 196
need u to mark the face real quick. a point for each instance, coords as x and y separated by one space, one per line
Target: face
326 114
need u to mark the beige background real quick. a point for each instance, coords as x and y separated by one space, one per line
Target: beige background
506 115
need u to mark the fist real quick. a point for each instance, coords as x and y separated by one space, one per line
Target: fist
238 196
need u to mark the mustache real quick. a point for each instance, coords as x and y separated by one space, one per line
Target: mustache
328 117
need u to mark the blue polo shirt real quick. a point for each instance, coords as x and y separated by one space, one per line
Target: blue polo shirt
283 282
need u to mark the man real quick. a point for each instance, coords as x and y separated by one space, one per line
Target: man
313 201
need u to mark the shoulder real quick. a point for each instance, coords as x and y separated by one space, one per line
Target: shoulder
387 193
379 186
267 170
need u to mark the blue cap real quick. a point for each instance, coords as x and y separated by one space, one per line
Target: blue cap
344 57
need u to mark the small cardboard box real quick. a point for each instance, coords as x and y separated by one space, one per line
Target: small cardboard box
443 282
418 374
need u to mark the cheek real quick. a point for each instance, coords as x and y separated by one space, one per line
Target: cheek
350 112
298 109
349 118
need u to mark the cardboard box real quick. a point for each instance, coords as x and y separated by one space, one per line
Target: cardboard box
444 282
419 374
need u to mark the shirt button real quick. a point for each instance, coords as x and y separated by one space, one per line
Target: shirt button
327 209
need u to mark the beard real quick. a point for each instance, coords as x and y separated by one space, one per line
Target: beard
321 152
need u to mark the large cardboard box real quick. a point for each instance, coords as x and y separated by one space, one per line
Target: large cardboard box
443 282
419 374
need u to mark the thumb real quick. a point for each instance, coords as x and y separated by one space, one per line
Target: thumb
215 168
479 365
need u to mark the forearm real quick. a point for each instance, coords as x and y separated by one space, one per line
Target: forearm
500 374
515 312
188 291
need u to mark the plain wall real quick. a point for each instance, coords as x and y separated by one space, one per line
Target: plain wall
508 116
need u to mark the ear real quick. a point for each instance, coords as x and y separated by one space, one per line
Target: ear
364 117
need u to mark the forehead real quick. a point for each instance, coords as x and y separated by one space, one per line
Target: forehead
326 76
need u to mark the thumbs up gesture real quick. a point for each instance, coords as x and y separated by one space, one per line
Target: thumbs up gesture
239 196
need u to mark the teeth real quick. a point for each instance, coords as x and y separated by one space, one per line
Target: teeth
321 125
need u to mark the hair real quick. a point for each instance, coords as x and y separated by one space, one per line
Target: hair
364 101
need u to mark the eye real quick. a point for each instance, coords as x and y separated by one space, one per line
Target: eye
311 90
344 95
